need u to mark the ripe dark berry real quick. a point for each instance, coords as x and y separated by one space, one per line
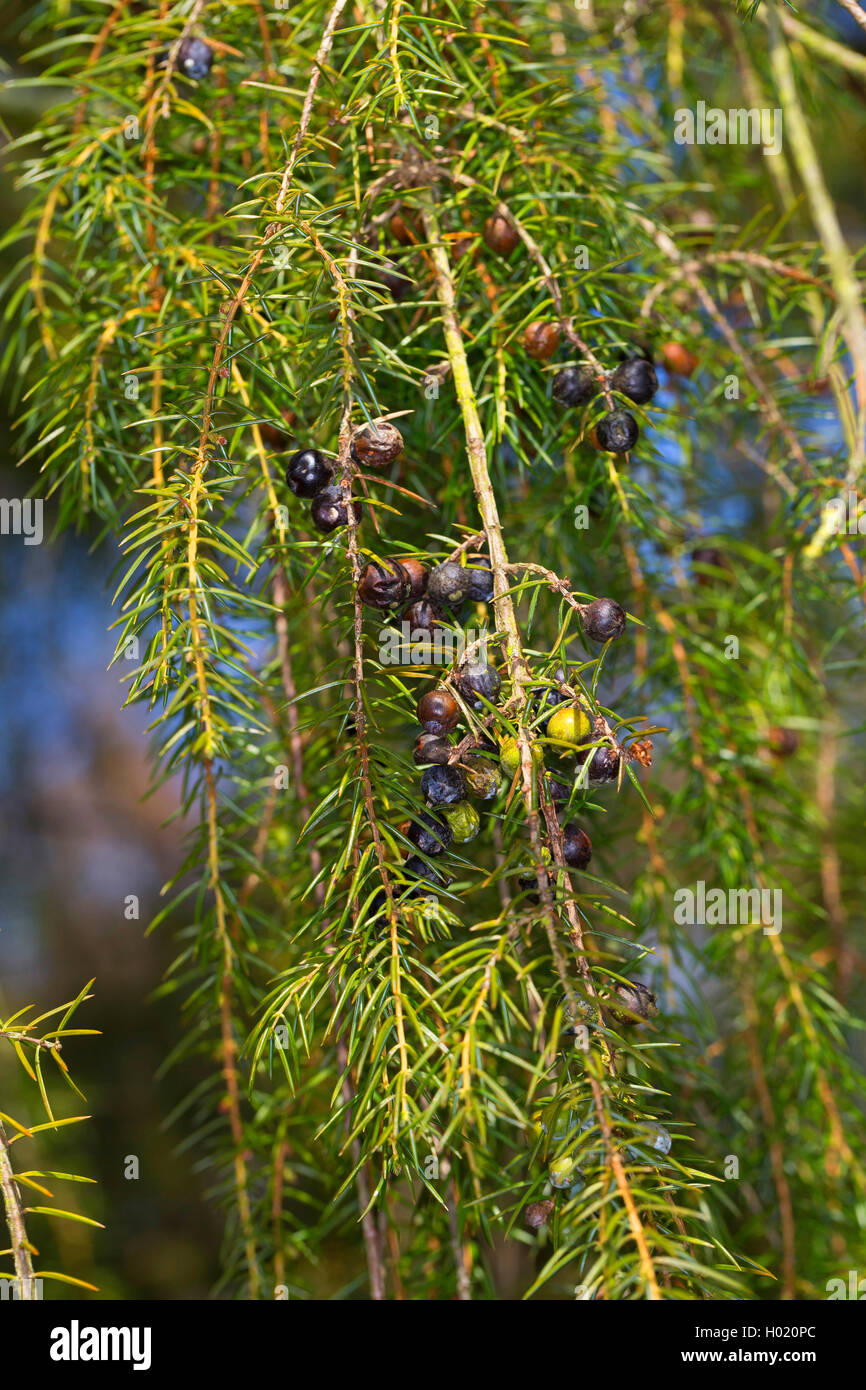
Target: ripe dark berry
537 1214
636 378
783 742
678 359
541 340
416 867
307 473
604 764
617 432
430 834
576 846
448 584
329 509
603 620
443 786
480 581
195 59
500 235
383 584
575 386
422 617
635 1002
431 748
439 712
417 575
558 792
476 679
377 445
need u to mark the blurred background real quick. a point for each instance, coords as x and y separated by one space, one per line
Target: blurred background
78 837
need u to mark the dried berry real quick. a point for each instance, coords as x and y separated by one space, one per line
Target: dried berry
439 712
576 846
383 584
195 59
603 620
635 1002
575 386
541 340
422 617
500 235
476 679
636 378
417 574
509 755
617 432
482 777
329 509
448 584
443 786
569 728
377 445
537 1214
464 822
430 834
307 473
678 359
783 742
431 748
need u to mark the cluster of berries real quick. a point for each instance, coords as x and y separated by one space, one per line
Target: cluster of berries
434 595
617 430
454 773
311 477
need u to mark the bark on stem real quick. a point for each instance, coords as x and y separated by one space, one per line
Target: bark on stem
506 623
15 1221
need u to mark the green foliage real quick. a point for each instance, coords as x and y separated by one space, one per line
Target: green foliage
32 1048
197 259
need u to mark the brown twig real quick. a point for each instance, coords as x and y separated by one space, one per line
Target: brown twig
21 1247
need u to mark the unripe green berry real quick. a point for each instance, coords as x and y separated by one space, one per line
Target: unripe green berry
561 1171
569 727
463 821
509 755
